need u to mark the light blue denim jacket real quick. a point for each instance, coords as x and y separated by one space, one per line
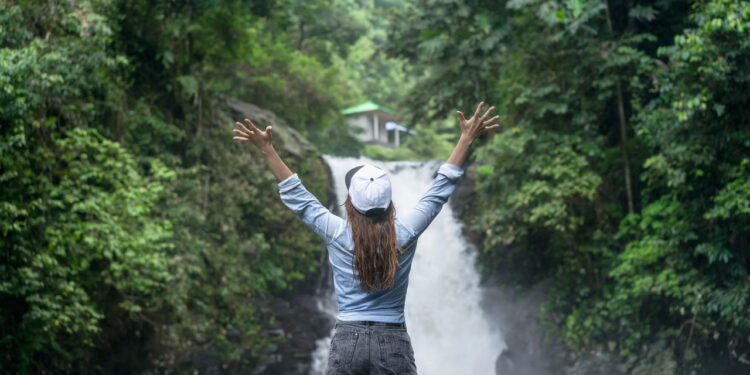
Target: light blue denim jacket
353 302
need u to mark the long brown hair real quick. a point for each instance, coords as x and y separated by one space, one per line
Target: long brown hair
375 248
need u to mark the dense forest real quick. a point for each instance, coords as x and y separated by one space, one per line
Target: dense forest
624 170
137 238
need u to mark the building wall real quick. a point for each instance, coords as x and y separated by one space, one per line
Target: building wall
382 134
363 125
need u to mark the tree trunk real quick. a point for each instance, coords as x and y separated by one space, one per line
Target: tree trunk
623 126
623 145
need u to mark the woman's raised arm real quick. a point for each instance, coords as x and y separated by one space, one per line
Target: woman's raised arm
263 141
293 193
418 218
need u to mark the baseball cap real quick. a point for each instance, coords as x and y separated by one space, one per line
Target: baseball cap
369 188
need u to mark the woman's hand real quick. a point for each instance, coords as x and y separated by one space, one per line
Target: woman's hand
261 139
471 129
476 125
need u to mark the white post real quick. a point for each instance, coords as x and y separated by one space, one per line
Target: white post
376 135
397 136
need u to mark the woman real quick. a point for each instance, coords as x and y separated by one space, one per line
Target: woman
372 250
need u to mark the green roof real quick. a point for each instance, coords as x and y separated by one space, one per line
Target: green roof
367 106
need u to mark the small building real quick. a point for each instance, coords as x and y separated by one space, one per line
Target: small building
375 124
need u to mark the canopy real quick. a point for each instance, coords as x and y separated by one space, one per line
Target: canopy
390 125
367 106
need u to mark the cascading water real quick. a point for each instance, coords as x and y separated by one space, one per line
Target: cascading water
449 330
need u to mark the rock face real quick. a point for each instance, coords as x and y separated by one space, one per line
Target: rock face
285 138
301 324
298 320
531 349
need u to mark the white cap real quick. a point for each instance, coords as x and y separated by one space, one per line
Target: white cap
369 188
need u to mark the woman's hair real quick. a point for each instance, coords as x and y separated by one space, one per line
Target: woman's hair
375 249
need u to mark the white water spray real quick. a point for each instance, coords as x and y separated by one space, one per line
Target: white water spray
449 330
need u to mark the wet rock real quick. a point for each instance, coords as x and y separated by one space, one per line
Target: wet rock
460 200
301 324
595 362
505 363
285 137
662 362
531 350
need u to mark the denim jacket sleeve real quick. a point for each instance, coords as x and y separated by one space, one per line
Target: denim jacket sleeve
418 218
303 203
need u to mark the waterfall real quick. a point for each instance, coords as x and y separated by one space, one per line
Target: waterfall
449 330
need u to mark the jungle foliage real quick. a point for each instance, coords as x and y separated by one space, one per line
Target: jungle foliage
136 237
623 169
130 220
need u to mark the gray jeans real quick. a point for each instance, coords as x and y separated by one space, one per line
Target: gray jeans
370 349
